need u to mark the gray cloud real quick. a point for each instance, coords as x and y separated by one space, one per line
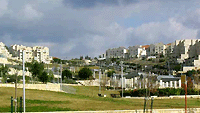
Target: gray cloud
71 28
93 3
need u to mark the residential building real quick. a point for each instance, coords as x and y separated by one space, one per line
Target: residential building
181 49
38 53
159 48
119 52
137 51
169 48
41 54
4 50
133 51
151 50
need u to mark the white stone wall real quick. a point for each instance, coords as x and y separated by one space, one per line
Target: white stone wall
50 87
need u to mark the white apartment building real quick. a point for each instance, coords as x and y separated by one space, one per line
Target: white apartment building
151 50
119 52
137 51
160 48
4 51
181 49
41 54
38 53
169 48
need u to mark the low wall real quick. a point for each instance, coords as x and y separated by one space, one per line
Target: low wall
49 86
170 97
191 110
93 82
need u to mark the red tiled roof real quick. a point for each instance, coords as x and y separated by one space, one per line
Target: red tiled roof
169 44
145 46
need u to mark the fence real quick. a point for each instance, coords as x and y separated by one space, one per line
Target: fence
137 83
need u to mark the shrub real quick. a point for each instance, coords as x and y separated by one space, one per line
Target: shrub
159 92
70 81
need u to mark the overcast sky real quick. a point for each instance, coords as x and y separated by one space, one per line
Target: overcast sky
71 28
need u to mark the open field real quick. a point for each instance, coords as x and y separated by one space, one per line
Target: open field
85 99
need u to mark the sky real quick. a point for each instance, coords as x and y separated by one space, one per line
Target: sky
74 28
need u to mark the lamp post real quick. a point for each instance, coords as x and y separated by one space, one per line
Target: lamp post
122 77
61 76
15 92
23 61
99 81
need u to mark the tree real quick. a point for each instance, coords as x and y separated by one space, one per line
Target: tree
43 77
81 57
85 73
118 62
95 58
4 72
110 73
51 76
190 73
177 67
36 69
66 73
56 60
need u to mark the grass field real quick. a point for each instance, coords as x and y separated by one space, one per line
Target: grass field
85 99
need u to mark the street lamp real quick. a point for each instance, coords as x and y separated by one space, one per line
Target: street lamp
122 77
23 61
61 75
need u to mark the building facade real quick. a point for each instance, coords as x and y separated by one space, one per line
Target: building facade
119 52
4 51
137 51
159 48
38 53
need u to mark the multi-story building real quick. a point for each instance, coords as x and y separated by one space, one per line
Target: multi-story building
133 51
39 53
137 51
169 48
4 51
181 49
151 50
159 48
119 52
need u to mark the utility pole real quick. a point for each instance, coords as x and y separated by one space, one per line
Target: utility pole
61 76
169 68
99 81
114 80
122 77
15 92
23 61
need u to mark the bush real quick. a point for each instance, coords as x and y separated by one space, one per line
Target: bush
159 92
85 73
161 60
70 81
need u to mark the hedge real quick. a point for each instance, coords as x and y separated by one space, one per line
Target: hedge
158 92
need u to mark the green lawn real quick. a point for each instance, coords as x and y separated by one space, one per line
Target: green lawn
85 99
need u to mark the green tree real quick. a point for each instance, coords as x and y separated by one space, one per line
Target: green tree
177 67
36 69
81 57
118 62
110 73
56 60
51 76
85 73
4 72
190 73
43 77
66 73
